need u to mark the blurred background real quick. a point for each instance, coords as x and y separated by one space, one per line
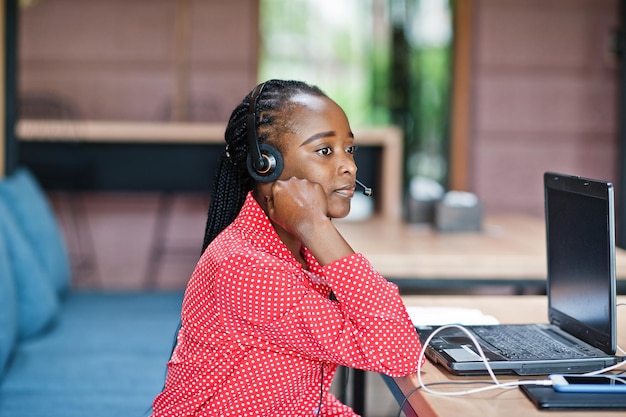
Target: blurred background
488 95
119 106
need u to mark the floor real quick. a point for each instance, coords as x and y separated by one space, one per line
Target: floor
137 241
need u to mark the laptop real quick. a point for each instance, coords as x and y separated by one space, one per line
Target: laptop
581 333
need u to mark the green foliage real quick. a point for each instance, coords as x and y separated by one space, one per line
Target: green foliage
399 74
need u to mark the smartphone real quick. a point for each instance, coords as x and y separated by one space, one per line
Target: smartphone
593 383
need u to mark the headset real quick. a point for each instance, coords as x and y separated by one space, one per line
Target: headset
264 162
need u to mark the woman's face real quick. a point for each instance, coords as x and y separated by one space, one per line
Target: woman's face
321 149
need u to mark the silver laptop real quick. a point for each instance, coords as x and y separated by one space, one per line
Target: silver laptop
581 333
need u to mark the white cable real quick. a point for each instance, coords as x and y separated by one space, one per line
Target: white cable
496 382
607 369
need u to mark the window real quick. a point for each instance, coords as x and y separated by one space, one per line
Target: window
383 61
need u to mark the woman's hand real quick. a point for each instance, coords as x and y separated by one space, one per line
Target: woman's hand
300 208
297 205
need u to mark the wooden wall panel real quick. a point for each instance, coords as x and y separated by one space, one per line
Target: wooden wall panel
148 60
544 97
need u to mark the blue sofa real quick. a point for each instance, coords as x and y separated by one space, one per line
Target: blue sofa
64 352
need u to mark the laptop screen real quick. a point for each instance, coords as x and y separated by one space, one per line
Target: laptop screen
581 253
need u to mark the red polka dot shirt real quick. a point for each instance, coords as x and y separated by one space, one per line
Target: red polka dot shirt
261 335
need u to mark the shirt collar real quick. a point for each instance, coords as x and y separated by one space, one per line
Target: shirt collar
253 222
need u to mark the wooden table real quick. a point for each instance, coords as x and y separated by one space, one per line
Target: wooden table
507 309
509 251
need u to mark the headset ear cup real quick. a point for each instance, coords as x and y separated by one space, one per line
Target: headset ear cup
275 158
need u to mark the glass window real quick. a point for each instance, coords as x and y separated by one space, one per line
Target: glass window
383 61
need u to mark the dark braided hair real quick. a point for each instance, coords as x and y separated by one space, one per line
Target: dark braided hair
232 180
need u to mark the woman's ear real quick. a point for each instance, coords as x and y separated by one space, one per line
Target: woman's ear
262 192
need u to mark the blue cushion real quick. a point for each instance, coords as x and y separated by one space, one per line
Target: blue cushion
37 220
106 357
8 306
37 301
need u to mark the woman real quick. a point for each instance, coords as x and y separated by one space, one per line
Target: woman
279 299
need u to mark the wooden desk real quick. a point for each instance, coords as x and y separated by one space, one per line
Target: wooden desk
507 309
510 251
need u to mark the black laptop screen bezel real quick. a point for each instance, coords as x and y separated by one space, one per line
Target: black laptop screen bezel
580 195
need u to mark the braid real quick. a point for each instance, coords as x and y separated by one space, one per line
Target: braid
232 180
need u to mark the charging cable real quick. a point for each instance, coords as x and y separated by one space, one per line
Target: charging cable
494 383
607 369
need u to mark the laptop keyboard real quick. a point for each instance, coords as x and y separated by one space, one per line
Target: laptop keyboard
526 342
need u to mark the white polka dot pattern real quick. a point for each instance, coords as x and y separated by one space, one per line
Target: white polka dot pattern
259 331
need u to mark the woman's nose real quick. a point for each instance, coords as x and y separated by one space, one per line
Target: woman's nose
348 165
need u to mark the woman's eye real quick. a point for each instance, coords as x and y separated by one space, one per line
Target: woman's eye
324 151
352 149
